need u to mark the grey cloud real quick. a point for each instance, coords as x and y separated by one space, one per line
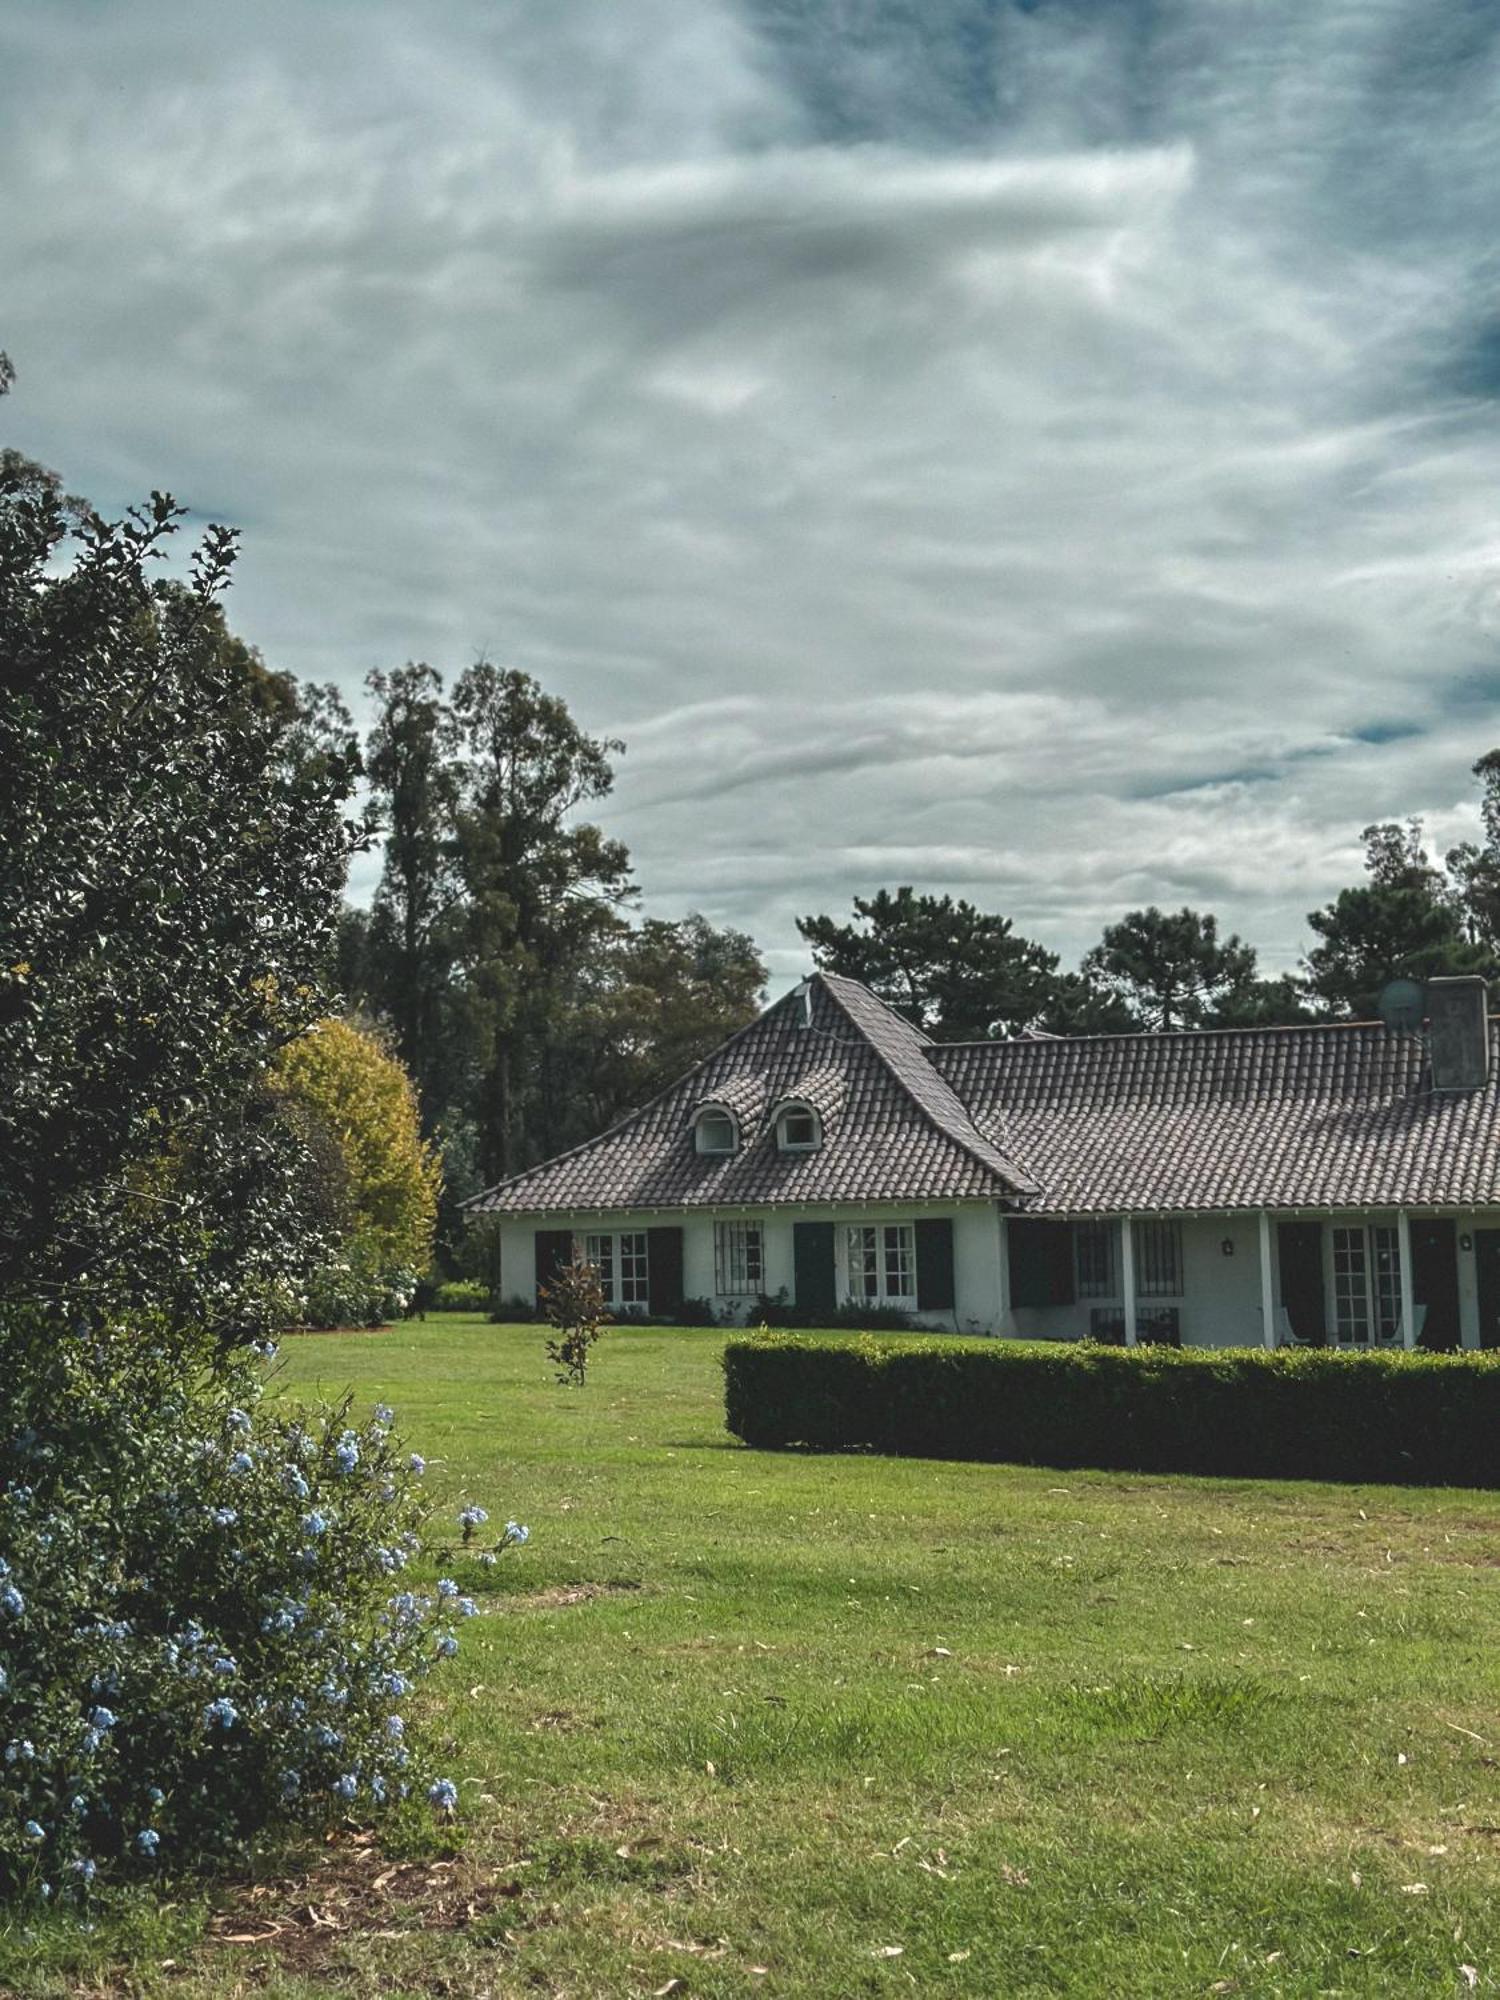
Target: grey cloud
1003 450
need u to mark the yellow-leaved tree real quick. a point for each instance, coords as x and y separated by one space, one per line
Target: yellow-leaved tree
347 1084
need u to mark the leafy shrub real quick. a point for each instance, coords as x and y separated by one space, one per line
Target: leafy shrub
780 1311
461 1295
516 1311
203 1630
1241 1412
353 1289
575 1308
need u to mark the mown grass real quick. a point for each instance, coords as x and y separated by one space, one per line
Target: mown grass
846 1726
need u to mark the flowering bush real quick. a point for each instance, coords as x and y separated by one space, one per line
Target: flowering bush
204 1628
354 1289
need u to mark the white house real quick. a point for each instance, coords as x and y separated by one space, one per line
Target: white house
1220 1188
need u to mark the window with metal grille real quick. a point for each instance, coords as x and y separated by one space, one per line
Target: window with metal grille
739 1268
1158 1260
883 1263
1094 1260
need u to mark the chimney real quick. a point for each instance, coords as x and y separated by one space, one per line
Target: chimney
1458 1033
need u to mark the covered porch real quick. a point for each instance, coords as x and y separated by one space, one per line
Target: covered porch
1352 1279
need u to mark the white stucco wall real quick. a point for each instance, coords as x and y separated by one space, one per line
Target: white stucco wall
1220 1305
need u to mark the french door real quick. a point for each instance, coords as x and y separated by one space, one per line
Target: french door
1366 1288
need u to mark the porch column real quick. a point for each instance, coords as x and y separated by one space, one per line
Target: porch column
1127 1275
1267 1290
1408 1295
1004 1323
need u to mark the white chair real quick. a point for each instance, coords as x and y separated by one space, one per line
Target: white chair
1397 1336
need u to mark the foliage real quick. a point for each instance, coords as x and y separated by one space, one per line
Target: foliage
354 1288
342 1077
461 1295
1237 1412
958 973
175 852
575 1307
1170 969
778 1310
199 1627
1406 920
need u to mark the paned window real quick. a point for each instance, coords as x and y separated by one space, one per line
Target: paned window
1366 1284
716 1132
739 1268
797 1130
1094 1260
883 1263
623 1266
1158 1260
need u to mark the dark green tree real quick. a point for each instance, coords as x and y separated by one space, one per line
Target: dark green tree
543 890
174 859
959 973
1079 1004
1171 969
406 965
1405 921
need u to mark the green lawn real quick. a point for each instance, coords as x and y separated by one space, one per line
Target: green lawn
794 1725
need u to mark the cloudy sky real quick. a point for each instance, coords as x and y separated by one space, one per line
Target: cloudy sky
1045 450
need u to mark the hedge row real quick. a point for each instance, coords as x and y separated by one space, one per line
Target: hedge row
1303 1413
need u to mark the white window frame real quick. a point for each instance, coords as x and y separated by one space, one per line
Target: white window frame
739 1260
714 1113
622 1258
875 1254
1362 1273
796 1107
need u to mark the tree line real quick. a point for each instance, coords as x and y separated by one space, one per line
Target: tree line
965 974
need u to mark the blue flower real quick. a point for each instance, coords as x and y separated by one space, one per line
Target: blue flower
4 1680
220 1714
467 1608
515 1532
241 1462
384 1414
417 1463
394 1726
78 1805
291 1784
225 1517
444 1793
266 1349
237 1420
294 1483
472 1517
11 1601
377 1788
147 1841
156 1795
225 1664
85 1869
347 1786
346 1451
102 1718
447 1587
396 1684
21 1752
32 1831
447 1646
331 1691
326 1738
316 1523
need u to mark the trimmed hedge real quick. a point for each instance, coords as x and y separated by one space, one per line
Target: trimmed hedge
1299 1413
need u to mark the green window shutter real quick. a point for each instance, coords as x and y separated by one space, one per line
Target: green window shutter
1041 1261
1299 1248
934 1241
664 1269
812 1265
554 1251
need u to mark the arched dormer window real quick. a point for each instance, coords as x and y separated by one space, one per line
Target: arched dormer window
716 1130
799 1129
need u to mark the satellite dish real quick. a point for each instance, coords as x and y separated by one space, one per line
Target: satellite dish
1403 1005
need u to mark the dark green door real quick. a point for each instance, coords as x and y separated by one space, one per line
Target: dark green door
812 1265
1434 1278
1487 1259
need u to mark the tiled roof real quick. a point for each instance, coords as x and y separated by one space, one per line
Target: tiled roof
1310 1117
1314 1117
893 1130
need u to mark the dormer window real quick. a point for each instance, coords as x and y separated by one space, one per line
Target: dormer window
715 1131
798 1129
